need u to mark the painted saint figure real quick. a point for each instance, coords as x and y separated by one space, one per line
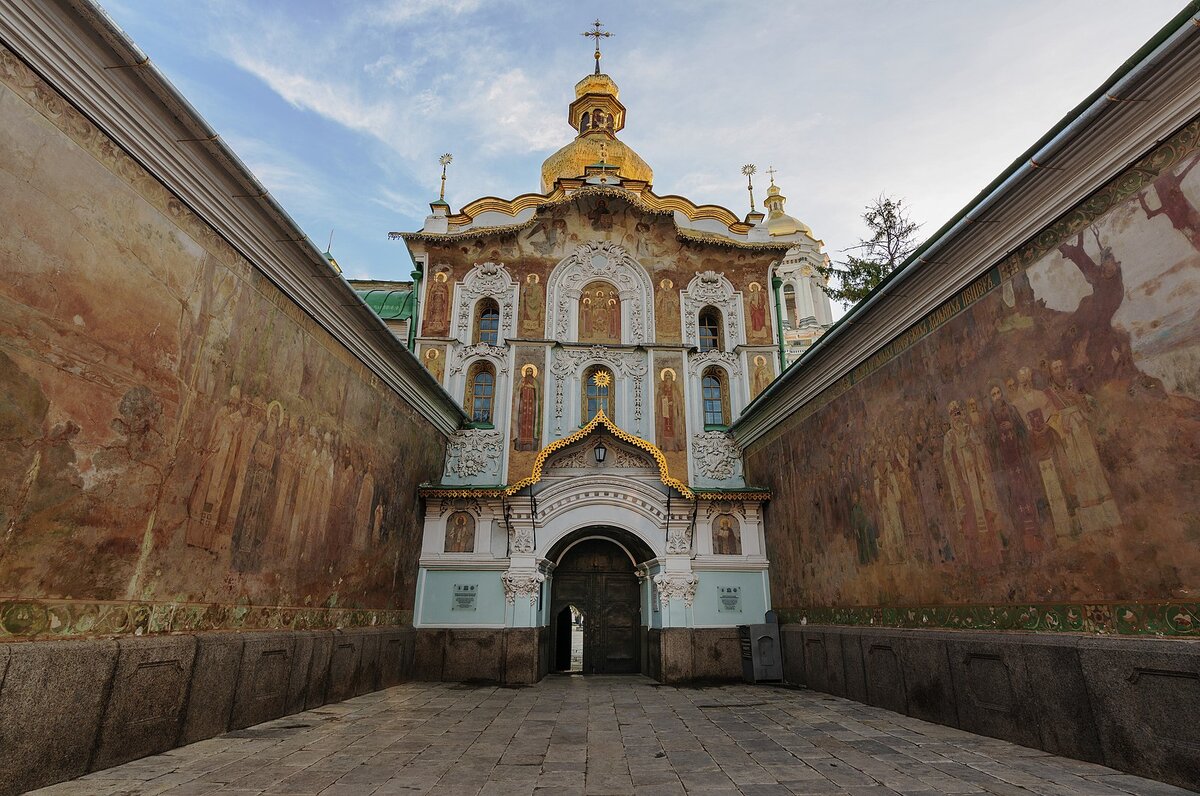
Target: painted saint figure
533 308
437 313
528 436
460 533
762 375
1009 442
727 537
965 460
758 309
670 408
1097 510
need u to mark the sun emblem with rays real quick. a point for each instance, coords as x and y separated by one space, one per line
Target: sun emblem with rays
601 379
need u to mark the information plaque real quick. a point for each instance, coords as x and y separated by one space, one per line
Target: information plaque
729 599
464 596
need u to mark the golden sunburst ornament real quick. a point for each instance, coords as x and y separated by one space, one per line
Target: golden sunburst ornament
601 379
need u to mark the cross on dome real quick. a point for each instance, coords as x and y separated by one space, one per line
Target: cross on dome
597 34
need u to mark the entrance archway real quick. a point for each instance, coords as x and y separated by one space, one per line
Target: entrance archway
596 576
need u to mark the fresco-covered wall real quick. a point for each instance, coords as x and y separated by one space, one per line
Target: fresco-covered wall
181 446
530 253
1028 455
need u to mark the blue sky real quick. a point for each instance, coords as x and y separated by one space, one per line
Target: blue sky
342 109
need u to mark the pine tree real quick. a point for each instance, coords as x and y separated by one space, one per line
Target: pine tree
892 240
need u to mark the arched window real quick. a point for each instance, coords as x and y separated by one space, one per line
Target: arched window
789 306
598 389
710 329
481 392
487 322
716 397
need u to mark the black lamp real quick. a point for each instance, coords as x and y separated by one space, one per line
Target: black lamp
600 451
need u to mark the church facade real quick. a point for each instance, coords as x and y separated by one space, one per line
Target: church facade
601 338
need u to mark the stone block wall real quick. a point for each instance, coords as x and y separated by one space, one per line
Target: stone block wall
1122 703
71 707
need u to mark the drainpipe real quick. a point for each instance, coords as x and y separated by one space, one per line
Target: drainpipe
416 306
776 285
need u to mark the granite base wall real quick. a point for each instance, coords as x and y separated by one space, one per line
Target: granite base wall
71 707
510 656
1123 703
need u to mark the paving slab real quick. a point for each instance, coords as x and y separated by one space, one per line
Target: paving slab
604 735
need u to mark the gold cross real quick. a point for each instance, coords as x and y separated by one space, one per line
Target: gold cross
597 34
771 171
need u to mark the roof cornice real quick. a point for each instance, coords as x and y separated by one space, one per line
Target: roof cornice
1153 95
76 48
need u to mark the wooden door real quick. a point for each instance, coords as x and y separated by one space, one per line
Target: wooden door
597 577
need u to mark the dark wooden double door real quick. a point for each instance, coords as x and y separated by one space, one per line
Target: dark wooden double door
597 577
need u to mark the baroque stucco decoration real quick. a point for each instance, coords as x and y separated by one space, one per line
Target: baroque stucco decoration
473 451
729 361
676 586
568 366
463 356
522 584
712 289
609 262
679 539
716 455
485 280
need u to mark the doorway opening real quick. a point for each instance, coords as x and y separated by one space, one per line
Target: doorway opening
595 607
568 640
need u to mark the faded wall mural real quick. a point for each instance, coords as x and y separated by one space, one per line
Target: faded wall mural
1035 440
182 447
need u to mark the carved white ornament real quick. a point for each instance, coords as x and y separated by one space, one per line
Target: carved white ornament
609 262
522 584
569 364
464 355
711 289
520 539
682 586
679 539
716 454
473 451
732 363
485 280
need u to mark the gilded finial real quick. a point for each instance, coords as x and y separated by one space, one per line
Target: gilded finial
445 160
749 170
597 34
771 171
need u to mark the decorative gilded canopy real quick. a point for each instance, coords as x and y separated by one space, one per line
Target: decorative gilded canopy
601 421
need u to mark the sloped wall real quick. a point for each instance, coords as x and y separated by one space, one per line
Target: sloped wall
184 452
1035 441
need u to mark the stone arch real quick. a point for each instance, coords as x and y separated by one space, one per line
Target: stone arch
712 289
600 261
485 280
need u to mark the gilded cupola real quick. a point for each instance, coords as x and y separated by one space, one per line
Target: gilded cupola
596 115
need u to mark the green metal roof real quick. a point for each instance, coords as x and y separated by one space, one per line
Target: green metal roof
391 305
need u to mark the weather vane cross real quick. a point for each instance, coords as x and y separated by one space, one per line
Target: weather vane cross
597 34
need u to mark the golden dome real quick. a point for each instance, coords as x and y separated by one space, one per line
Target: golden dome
597 115
597 84
572 160
778 222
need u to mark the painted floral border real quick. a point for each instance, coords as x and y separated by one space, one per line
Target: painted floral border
1125 619
23 620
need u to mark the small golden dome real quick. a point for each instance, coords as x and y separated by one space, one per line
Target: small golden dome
597 84
780 223
572 160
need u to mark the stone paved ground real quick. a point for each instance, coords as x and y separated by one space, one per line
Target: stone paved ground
604 735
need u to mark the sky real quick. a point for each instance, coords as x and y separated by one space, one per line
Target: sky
342 109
